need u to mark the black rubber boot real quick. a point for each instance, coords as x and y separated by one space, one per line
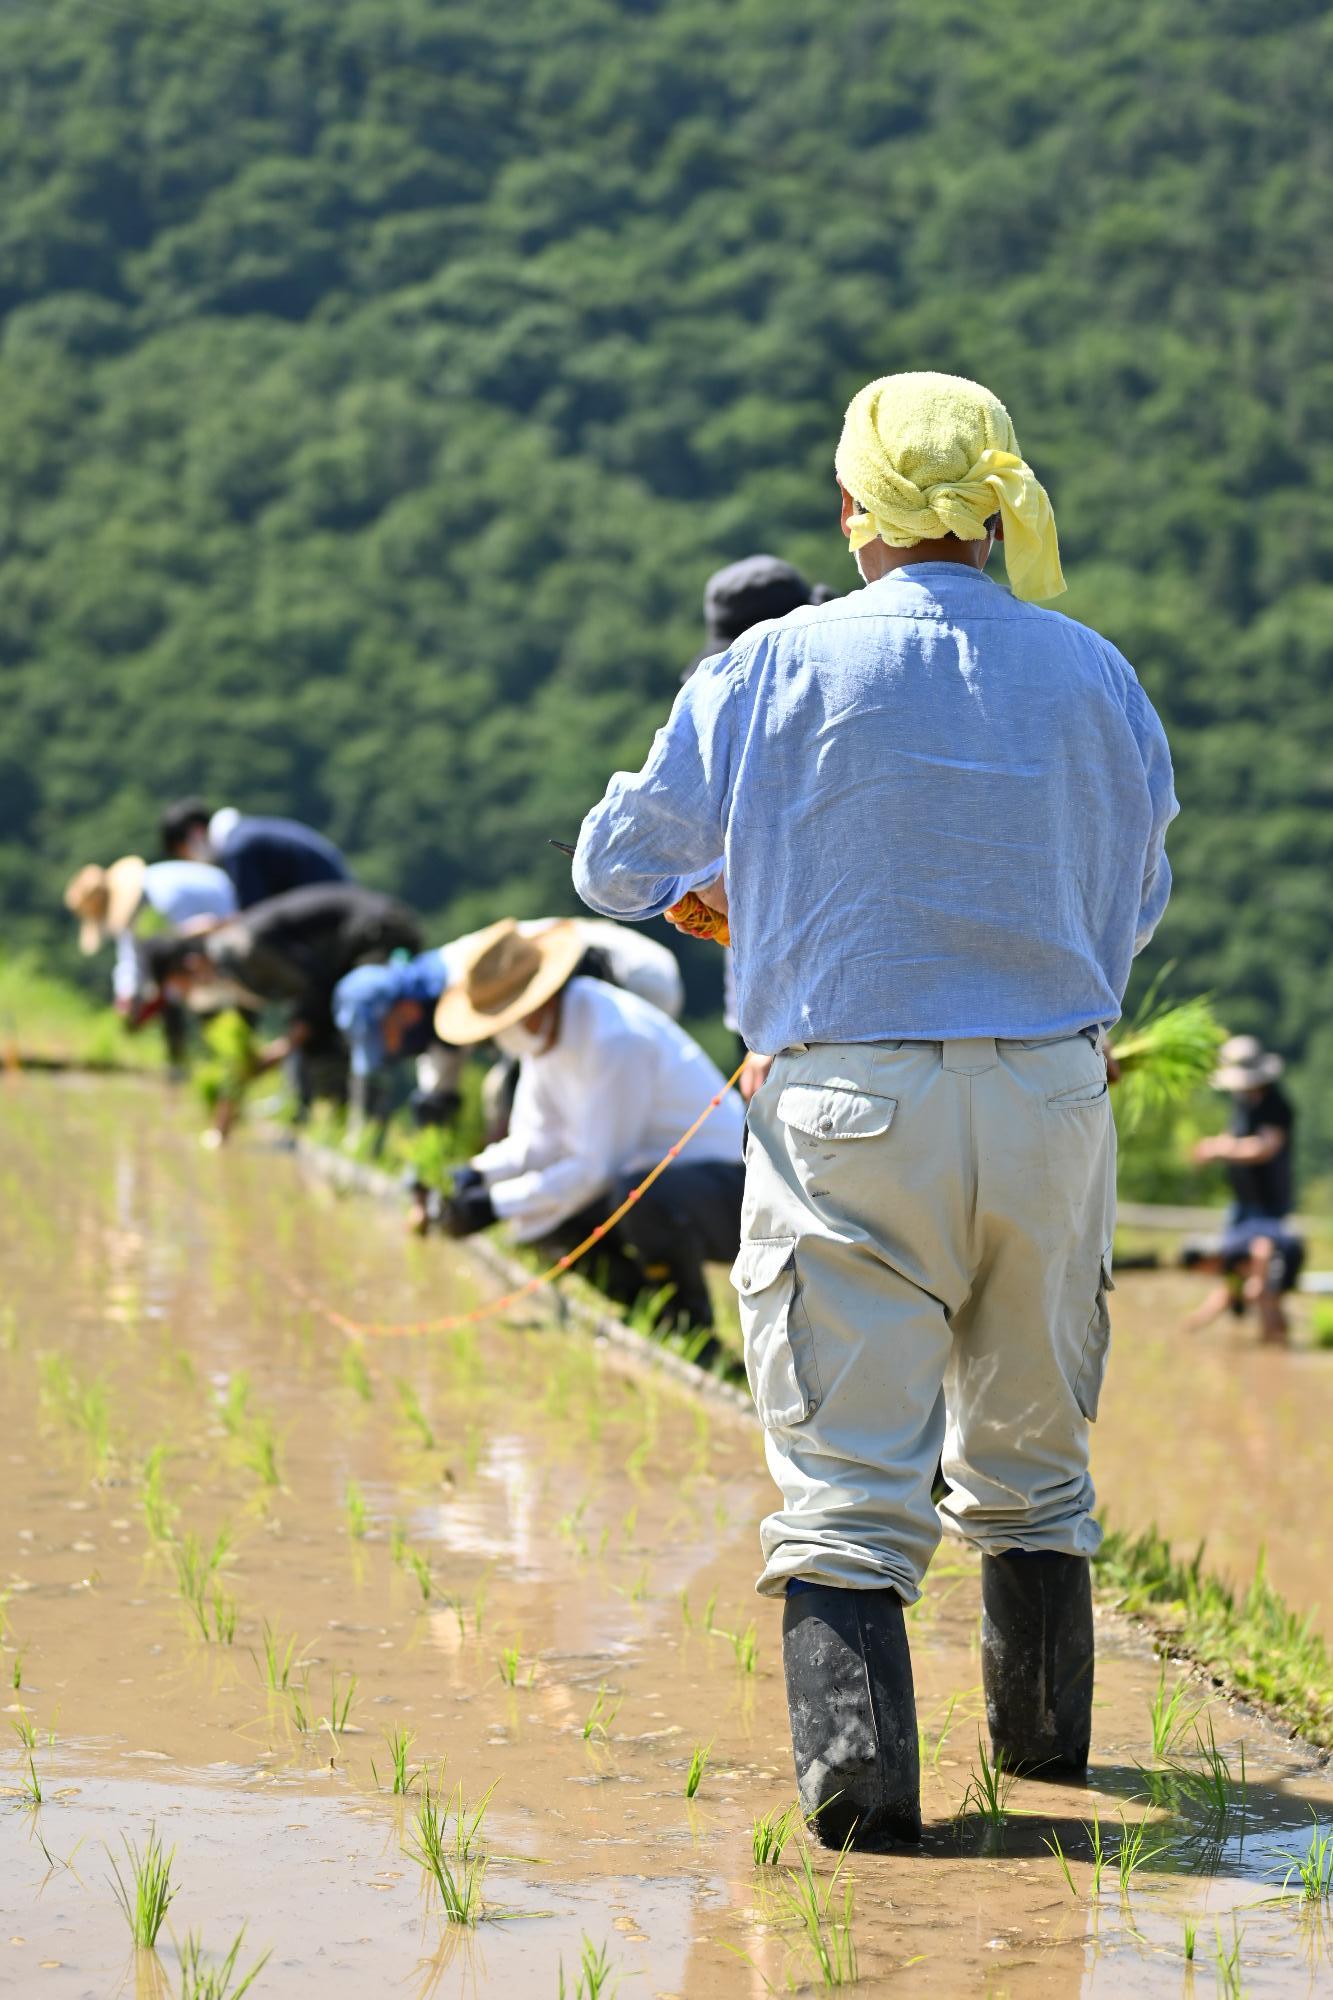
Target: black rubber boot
1036 1660
853 1714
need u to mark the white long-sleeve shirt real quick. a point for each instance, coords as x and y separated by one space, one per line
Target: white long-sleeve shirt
616 1092
178 892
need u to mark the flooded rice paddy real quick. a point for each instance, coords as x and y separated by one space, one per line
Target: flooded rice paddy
537 1566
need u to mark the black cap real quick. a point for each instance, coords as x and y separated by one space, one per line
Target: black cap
179 818
747 593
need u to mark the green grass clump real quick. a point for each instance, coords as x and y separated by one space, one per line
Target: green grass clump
828 1933
988 1788
214 1982
150 1893
594 1970
354 1507
402 1776
1250 1639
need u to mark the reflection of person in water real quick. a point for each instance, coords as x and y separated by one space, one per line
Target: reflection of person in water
1258 1255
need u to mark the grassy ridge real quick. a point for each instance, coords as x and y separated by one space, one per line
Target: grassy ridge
1251 1640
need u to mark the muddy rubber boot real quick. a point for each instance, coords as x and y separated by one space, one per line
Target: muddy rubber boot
1036 1660
853 1714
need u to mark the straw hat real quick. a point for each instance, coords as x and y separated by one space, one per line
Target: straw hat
105 899
1245 1065
506 977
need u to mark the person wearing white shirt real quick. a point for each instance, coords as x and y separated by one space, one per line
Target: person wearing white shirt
126 902
607 1086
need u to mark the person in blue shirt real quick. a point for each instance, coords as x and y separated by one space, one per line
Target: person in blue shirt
936 816
264 857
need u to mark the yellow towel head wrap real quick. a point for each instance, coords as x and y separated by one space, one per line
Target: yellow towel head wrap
928 455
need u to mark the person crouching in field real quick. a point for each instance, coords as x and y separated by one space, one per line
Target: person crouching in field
937 818
607 1084
289 953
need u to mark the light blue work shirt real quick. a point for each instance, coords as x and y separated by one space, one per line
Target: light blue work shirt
940 813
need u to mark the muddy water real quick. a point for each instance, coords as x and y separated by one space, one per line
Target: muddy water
1220 1440
600 1525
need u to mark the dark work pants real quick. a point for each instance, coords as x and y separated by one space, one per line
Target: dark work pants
690 1216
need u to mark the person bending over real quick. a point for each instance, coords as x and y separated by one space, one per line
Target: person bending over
263 857
290 953
607 1085
133 900
937 816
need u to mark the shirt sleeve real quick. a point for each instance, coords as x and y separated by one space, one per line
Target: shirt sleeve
1156 755
659 833
609 1133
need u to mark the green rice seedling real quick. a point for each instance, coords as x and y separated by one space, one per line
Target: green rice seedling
158 1512
1164 1053
403 1778
258 1450
234 1407
409 1404
1228 1964
594 1970
1133 1852
459 1883
638 1590
354 1507
698 1765
686 1615
276 1666
597 1722
988 1789
772 1831
931 1753
223 1609
1051 1842
214 1982
467 1821
1100 1852
31 1785
709 1609
508 1665
1215 1787
151 1893
300 1701
828 1935
568 1524
1321 1325
82 1405
1313 1869
1191 1933
195 1572
397 1542
745 1645
340 1705
354 1374
420 1569
1169 1719
479 1597
24 1730
16 1673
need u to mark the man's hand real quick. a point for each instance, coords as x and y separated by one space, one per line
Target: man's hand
702 913
468 1209
715 896
754 1075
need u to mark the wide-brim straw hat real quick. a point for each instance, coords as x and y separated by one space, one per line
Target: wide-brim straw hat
505 977
1245 1064
105 900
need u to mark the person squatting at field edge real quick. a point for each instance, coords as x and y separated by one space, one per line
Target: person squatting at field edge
937 817
606 1085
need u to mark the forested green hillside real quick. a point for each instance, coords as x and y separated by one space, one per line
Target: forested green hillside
381 379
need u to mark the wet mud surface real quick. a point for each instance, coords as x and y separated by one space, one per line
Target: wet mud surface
551 1590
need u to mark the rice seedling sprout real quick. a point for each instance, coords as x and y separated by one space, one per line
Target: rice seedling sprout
1164 1053
354 1374
772 1831
457 1882
1191 1933
988 1789
468 1819
1052 1842
698 1765
828 1934
151 1893
403 1778
508 1665
1169 1720
409 1404
597 1722
594 1970
420 1569
31 1785
1132 1852
24 1730
340 1705
1313 1869
200 1981
354 1506
276 1666
1228 1964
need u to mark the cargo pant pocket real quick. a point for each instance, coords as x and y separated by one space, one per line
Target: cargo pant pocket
779 1344
1092 1368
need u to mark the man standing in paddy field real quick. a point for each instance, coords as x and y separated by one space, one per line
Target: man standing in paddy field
937 817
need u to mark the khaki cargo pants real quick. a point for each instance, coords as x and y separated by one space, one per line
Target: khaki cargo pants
925 1257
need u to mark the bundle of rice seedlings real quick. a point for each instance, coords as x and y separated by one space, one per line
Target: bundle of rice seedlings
1164 1054
232 1060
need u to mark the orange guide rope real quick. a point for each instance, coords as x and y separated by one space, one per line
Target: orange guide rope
448 1322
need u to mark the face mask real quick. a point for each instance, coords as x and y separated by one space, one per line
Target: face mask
518 1042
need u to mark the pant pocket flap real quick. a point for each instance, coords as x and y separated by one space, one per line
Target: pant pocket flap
1108 1282
835 1111
761 1263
